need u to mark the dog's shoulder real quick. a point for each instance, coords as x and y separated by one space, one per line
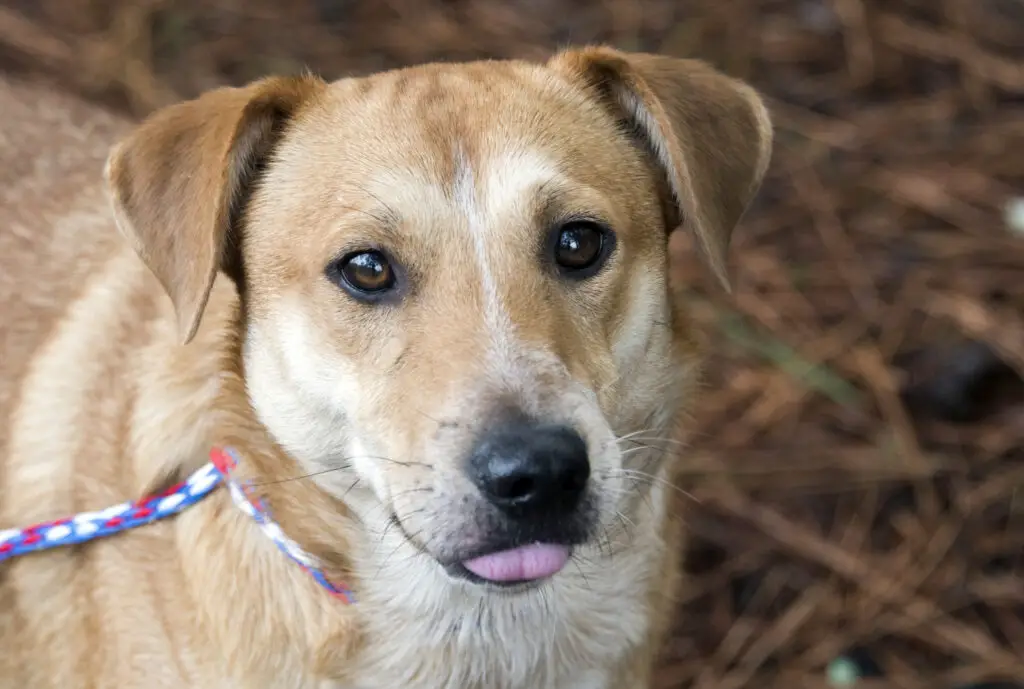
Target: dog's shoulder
55 227
89 383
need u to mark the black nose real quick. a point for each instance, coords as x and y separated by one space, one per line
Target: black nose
527 469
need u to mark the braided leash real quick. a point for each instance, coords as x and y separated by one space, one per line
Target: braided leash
89 526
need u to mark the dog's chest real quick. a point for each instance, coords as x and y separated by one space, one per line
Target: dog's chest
575 639
517 663
587 679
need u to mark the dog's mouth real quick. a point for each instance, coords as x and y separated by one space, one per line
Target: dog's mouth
525 564
512 555
517 557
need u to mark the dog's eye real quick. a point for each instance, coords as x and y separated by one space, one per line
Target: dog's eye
581 248
366 273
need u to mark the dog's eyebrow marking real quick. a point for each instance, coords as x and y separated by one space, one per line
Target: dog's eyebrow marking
380 211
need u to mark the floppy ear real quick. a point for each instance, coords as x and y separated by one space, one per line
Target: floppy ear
180 179
710 134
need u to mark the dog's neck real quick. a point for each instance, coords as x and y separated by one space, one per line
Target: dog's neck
322 525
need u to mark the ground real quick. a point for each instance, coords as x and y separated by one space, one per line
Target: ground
858 474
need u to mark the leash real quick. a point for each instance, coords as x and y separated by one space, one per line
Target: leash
89 526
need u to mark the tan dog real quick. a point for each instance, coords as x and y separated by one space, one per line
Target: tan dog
428 308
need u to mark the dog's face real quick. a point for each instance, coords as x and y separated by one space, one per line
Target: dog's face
455 278
466 318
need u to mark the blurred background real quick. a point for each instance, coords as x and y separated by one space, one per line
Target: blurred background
858 459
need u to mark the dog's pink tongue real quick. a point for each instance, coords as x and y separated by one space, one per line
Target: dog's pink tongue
527 563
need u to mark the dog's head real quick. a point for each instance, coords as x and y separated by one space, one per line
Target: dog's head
455 277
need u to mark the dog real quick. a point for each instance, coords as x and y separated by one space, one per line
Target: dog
429 312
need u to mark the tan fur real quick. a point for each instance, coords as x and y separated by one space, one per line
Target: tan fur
458 170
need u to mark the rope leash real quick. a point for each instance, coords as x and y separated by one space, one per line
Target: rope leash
89 526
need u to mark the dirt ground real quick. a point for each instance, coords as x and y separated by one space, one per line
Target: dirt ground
858 470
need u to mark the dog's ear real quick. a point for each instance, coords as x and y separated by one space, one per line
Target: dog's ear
179 180
710 134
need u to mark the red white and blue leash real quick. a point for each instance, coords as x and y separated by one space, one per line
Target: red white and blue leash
89 526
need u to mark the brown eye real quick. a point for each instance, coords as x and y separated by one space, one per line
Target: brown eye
581 248
367 273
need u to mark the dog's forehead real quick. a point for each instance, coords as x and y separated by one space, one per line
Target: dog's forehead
435 152
507 125
468 98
